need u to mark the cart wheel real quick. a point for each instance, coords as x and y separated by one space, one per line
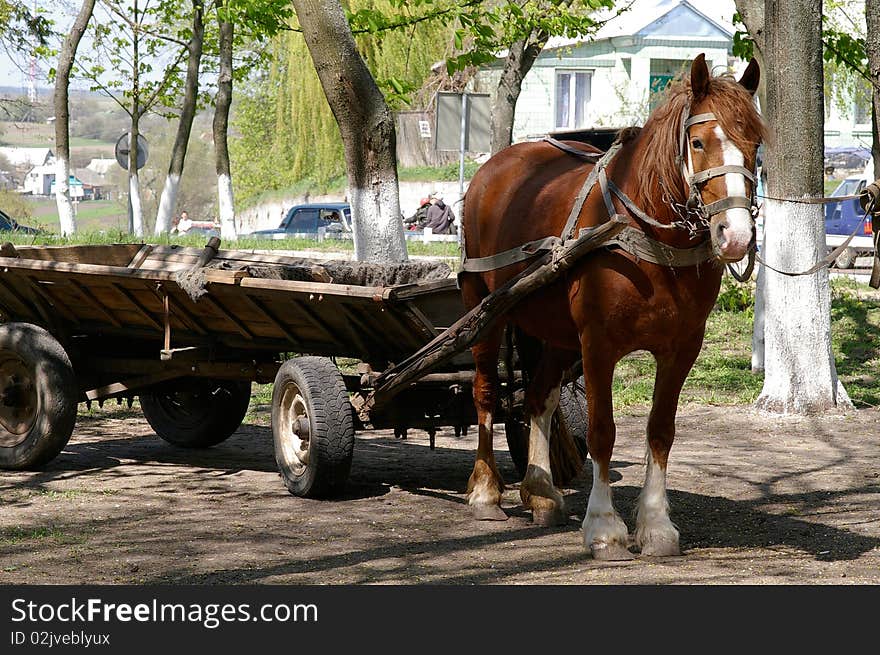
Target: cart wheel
38 396
198 412
312 427
846 259
568 437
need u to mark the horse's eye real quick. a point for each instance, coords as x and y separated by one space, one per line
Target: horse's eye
697 144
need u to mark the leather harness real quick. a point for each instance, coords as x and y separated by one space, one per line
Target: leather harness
631 239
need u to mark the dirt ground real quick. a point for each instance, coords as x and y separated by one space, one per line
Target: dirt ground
758 500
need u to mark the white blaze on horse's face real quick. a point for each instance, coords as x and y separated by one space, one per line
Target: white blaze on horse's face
734 232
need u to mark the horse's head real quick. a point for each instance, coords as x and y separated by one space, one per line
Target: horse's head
718 149
696 157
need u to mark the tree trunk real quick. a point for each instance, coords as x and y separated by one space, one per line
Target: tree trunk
518 63
800 376
136 225
168 200
225 196
367 128
752 13
872 46
62 117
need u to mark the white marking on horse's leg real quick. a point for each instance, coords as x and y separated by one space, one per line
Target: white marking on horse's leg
537 489
485 489
739 219
602 527
655 532
539 434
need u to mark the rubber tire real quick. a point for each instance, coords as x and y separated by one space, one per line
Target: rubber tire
331 439
57 396
569 420
205 425
846 259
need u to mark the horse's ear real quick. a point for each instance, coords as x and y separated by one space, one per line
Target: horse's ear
699 77
751 77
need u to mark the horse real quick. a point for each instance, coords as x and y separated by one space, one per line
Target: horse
683 183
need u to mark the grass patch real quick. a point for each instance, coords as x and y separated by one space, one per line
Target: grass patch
17 535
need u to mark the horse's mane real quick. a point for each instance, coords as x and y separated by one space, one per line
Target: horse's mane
655 158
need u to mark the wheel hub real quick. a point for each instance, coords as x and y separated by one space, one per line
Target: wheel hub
18 400
296 429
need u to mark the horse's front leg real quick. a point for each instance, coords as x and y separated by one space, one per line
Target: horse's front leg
605 533
655 534
485 484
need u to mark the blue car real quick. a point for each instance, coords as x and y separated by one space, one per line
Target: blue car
334 218
842 218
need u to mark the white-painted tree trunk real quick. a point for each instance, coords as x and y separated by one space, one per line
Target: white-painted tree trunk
799 372
377 233
226 200
62 196
167 203
137 210
758 325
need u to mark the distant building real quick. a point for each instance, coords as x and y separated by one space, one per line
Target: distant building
38 181
102 166
77 190
612 79
27 158
95 185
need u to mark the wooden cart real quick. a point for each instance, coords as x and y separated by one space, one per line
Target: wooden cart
91 323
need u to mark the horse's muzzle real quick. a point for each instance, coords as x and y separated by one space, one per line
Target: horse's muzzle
732 237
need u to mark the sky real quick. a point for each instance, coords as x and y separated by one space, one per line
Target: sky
63 13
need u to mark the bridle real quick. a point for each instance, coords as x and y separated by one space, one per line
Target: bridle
695 205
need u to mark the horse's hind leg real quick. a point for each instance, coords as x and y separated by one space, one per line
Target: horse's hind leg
485 484
605 533
655 533
537 490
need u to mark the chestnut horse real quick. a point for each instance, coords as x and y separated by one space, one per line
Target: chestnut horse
684 180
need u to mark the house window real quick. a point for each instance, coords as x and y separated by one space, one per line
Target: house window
663 72
572 97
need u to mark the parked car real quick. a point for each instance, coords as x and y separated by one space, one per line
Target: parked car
842 218
305 220
9 224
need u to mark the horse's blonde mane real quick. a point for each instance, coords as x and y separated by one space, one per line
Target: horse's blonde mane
655 159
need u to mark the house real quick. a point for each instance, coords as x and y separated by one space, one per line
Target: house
39 179
27 158
77 191
96 186
612 78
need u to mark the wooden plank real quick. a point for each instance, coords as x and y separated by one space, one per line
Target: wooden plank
25 265
30 309
86 294
277 322
377 294
313 318
43 290
141 255
118 254
138 307
242 329
353 324
178 309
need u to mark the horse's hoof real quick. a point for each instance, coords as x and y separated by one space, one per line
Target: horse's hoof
488 513
610 552
549 518
661 549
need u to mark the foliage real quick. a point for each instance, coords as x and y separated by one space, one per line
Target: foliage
735 296
284 134
14 205
847 81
